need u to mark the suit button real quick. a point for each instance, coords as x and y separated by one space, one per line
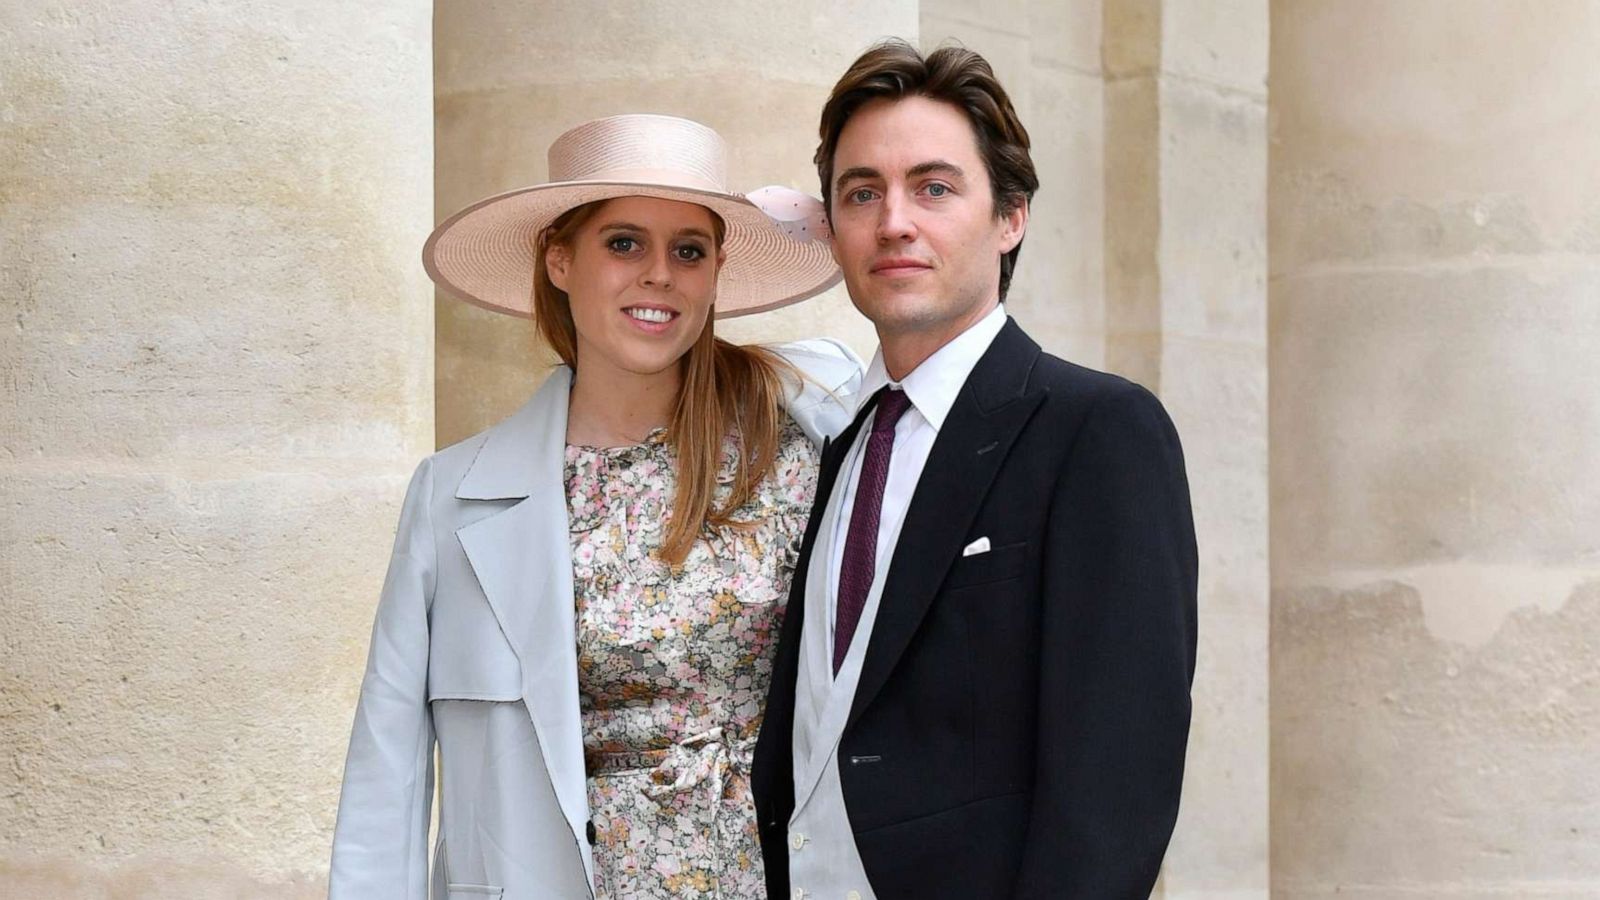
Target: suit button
798 841
799 894
853 895
588 831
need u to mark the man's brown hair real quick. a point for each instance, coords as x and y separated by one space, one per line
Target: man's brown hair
893 70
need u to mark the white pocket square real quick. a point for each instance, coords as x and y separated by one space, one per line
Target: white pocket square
981 545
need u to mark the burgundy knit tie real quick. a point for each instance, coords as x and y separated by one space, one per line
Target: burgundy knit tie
861 544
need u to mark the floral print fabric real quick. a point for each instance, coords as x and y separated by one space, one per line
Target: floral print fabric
673 665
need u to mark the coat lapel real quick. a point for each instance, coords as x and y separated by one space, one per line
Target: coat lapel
988 414
522 557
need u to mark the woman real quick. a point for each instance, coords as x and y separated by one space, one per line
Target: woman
583 599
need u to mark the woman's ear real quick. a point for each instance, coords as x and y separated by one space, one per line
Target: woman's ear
557 262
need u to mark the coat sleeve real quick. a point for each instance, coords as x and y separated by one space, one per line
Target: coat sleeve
824 401
380 843
1116 657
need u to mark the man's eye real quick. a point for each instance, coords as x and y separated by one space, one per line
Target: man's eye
860 195
938 190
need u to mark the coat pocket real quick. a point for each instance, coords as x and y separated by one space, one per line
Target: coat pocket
999 564
472 891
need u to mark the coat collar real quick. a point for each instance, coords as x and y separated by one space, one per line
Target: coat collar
524 452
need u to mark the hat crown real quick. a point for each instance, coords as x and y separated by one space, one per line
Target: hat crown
644 148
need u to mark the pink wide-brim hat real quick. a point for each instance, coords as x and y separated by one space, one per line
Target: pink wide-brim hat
777 238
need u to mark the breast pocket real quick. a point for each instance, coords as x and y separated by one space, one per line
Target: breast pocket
998 564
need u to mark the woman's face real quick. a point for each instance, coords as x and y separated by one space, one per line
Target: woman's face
641 275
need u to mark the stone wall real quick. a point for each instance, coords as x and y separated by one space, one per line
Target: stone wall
1435 226
215 379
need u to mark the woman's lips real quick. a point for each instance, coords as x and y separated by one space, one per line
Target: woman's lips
650 319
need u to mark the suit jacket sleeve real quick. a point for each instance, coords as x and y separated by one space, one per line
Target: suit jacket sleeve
380 844
1116 658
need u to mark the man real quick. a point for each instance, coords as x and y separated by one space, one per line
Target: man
982 687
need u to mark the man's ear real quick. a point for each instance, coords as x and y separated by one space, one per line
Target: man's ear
557 263
1016 225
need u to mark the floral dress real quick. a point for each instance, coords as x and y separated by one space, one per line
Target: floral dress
673 665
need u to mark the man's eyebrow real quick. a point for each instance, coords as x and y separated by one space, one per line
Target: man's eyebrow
855 173
936 167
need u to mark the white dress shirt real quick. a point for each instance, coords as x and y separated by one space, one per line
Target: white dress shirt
932 388
824 863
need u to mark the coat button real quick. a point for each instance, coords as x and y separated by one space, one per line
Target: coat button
798 841
588 831
853 895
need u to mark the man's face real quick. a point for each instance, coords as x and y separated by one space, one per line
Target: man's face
914 225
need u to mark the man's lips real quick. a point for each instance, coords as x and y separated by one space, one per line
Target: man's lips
899 267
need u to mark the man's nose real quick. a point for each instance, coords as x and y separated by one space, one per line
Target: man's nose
896 221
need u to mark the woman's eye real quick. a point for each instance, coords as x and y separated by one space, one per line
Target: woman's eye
623 244
690 253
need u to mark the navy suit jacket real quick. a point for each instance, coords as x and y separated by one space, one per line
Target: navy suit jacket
1020 724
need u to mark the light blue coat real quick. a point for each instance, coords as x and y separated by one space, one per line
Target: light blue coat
474 648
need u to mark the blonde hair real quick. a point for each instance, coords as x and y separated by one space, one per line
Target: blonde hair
725 390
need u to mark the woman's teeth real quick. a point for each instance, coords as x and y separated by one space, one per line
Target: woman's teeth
649 315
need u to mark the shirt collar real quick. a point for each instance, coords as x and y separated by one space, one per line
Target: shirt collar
932 386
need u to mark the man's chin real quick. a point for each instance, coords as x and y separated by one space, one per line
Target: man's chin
898 311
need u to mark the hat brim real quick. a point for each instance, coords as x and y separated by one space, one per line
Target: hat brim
484 253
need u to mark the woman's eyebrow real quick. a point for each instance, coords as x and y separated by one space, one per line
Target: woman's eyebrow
691 231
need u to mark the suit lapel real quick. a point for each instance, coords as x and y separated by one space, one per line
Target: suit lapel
522 557
988 414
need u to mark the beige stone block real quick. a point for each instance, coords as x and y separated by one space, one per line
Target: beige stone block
1131 37
501 44
287 349
1215 392
1221 42
1219 847
1066 34
1132 234
1058 289
26 876
1436 414
1319 221
1450 102
1005 16
182 659
1213 244
1407 765
1006 51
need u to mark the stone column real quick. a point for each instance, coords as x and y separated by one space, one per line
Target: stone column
215 380
511 76
1185 247
1435 442
1047 55
1146 256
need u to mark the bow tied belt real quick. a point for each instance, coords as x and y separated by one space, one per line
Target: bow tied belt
706 758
